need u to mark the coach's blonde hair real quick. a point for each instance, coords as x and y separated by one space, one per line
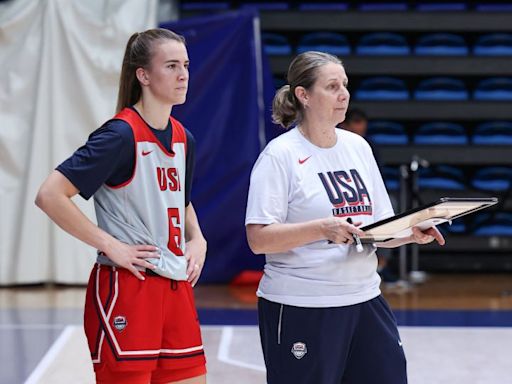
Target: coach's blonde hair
303 71
138 53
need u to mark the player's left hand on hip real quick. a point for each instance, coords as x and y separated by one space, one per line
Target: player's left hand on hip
427 236
195 254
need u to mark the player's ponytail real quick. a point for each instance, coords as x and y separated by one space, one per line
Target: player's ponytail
138 53
286 107
129 87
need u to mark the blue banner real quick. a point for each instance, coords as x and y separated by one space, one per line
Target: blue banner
227 108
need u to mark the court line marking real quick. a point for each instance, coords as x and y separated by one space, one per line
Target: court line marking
227 335
50 355
223 353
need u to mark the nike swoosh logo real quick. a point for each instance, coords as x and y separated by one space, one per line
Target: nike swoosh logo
302 161
400 343
145 153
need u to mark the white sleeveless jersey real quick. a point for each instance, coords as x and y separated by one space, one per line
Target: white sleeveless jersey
294 181
150 207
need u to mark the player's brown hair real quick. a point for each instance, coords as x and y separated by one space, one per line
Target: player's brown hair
138 53
303 71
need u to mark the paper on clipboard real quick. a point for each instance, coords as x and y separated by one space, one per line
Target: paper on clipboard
427 216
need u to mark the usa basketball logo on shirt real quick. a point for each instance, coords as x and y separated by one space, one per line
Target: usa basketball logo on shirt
347 193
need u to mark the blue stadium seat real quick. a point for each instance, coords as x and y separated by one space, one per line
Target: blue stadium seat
493 179
387 133
391 177
441 177
441 44
441 7
266 6
385 7
205 6
494 44
275 44
458 226
441 133
382 88
493 133
494 88
497 224
441 88
493 7
383 44
329 42
323 6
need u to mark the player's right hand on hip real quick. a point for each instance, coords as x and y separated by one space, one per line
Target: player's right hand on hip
129 256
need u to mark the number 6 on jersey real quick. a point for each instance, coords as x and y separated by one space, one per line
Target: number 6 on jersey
174 243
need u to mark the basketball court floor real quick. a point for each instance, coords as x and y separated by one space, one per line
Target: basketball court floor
454 328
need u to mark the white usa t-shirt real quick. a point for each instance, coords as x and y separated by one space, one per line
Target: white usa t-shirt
294 181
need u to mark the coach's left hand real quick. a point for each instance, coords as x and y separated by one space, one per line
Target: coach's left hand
195 254
428 235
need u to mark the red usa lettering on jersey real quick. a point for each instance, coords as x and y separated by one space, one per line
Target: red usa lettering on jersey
168 179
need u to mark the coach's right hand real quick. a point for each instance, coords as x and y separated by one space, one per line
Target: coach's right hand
339 231
128 256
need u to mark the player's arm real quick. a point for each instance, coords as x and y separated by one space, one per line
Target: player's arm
54 198
84 172
195 252
196 245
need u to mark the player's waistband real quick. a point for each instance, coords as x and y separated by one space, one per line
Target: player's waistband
146 271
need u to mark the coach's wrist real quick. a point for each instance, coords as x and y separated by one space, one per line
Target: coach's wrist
322 227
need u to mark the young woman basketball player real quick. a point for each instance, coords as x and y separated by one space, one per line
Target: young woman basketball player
140 319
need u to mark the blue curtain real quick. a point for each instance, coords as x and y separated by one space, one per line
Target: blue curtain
223 113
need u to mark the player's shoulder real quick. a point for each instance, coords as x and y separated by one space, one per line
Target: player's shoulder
113 129
190 136
180 129
177 124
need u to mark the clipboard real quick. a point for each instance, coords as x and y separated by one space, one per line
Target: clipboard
435 213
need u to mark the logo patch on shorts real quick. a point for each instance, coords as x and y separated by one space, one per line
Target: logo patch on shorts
299 350
120 322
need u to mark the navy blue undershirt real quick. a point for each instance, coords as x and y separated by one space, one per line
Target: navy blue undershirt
108 157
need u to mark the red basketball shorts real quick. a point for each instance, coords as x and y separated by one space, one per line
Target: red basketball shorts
134 325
